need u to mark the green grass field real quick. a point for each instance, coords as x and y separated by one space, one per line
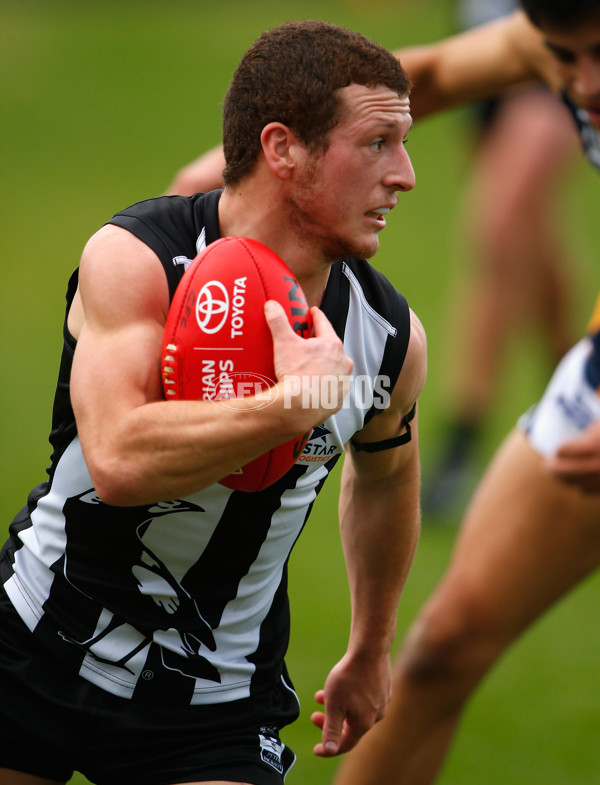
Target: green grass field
101 103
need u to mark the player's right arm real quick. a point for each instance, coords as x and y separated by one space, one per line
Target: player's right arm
476 64
138 447
201 175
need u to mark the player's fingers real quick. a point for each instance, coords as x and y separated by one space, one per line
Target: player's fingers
277 320
322 327
332 731
580 448
573 465
585 445
351 735
590 485
318 718
274 311
588 482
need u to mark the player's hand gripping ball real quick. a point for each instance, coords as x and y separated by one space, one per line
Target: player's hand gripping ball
217 344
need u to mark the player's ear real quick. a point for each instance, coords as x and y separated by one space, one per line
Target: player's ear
280 147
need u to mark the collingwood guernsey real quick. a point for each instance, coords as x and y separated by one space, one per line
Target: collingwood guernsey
184 600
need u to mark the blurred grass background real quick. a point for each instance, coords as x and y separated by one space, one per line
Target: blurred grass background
101 102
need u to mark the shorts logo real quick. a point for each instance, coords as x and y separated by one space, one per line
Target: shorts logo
576 410
271 750
212 307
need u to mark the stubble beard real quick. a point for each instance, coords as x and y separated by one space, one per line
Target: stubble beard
303 217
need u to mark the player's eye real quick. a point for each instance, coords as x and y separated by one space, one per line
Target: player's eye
562 55
377 145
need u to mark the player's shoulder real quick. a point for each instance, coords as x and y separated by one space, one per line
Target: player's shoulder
416 353
161 210
175 228
376 292
525 43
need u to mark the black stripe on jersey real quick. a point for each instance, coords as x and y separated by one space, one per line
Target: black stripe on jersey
383 298
271 652
72 620
227 558
336 299
20 522
210 207
162 678
394 352
236 543
64 427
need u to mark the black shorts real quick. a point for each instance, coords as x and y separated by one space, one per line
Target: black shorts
52 724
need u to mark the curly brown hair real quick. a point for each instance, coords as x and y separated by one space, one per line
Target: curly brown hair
291 75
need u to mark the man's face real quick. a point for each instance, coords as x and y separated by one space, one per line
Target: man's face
577 56
340 198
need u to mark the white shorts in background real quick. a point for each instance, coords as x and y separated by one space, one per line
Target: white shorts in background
568 405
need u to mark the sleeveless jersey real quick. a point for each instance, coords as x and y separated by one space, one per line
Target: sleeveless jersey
185 600
589 134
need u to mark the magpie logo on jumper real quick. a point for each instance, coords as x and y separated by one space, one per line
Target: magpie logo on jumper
151 581
318 448
271 750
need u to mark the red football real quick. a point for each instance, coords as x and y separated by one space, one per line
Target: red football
217 344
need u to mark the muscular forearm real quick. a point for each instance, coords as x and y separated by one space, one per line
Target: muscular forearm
380 527
165 450
380 524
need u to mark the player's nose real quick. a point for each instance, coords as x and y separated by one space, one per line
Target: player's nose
401 176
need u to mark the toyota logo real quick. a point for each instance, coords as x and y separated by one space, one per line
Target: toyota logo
212 307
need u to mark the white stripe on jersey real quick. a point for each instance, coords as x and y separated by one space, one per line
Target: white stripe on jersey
45 542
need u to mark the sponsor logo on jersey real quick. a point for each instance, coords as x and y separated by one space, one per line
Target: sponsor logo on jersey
319 448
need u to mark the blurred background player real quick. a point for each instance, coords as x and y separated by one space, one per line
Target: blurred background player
519 275
531 531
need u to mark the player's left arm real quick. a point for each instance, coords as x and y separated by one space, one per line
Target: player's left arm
379 521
